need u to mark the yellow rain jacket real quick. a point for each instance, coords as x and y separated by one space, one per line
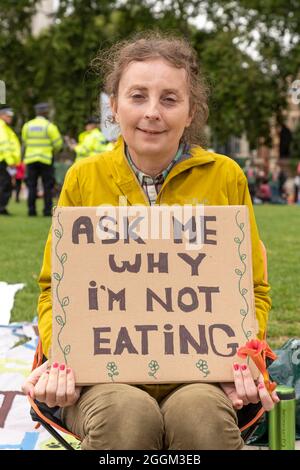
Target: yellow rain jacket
10 148
204 178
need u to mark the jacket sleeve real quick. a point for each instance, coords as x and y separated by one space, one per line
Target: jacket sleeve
82 150
70 196
241 196
10 146
24 133
55 136
16 148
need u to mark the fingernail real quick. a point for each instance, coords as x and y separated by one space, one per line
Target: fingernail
260 386
68 370
244 367
29 394
236 366
62 367
55 365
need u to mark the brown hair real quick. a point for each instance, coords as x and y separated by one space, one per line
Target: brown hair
175 50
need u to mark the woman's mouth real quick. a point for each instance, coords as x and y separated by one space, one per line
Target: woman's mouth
150 131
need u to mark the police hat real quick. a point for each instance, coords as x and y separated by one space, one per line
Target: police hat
92 120
8 111
41 107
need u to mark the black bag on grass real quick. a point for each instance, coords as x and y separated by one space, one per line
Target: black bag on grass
285 371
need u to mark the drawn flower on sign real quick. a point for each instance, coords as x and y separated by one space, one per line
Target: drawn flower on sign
203 367
153 366
112 370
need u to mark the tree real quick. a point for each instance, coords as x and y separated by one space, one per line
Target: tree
246 91
242 96
271 30
15 29
68 47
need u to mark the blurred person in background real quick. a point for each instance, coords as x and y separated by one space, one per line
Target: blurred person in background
90 142
274 183
282 178
19 178
10 156
250 172
264 193
41 139
297 186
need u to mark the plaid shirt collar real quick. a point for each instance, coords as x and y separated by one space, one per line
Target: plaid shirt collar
152 185
142 177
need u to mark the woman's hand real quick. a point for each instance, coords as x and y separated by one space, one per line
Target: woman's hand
53 385
244 390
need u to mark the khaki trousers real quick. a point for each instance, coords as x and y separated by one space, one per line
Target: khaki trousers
182 417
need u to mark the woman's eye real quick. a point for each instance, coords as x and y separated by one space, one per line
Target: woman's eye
170 99
137 96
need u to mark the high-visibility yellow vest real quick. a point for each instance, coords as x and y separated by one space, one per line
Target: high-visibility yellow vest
81 136
91 143
41 138
10 149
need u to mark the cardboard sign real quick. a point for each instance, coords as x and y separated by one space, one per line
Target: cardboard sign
151 294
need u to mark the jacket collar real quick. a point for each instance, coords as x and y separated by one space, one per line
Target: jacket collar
127 181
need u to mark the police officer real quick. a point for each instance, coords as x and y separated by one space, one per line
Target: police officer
10 155
41 139
90 142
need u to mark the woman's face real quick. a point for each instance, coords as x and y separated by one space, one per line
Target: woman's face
152 107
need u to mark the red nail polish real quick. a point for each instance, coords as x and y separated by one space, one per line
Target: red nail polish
55 365
68 370
244 367
260 386
62 367
236 366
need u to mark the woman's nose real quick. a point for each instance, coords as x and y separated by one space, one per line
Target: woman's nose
152 112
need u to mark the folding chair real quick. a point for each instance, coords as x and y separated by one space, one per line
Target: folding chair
48 417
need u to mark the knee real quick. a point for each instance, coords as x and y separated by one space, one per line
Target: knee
124 418
200 416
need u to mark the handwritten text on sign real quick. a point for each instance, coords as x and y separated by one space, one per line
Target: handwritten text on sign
146 294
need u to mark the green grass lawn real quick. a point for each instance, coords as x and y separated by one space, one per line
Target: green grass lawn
280 231
22 242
